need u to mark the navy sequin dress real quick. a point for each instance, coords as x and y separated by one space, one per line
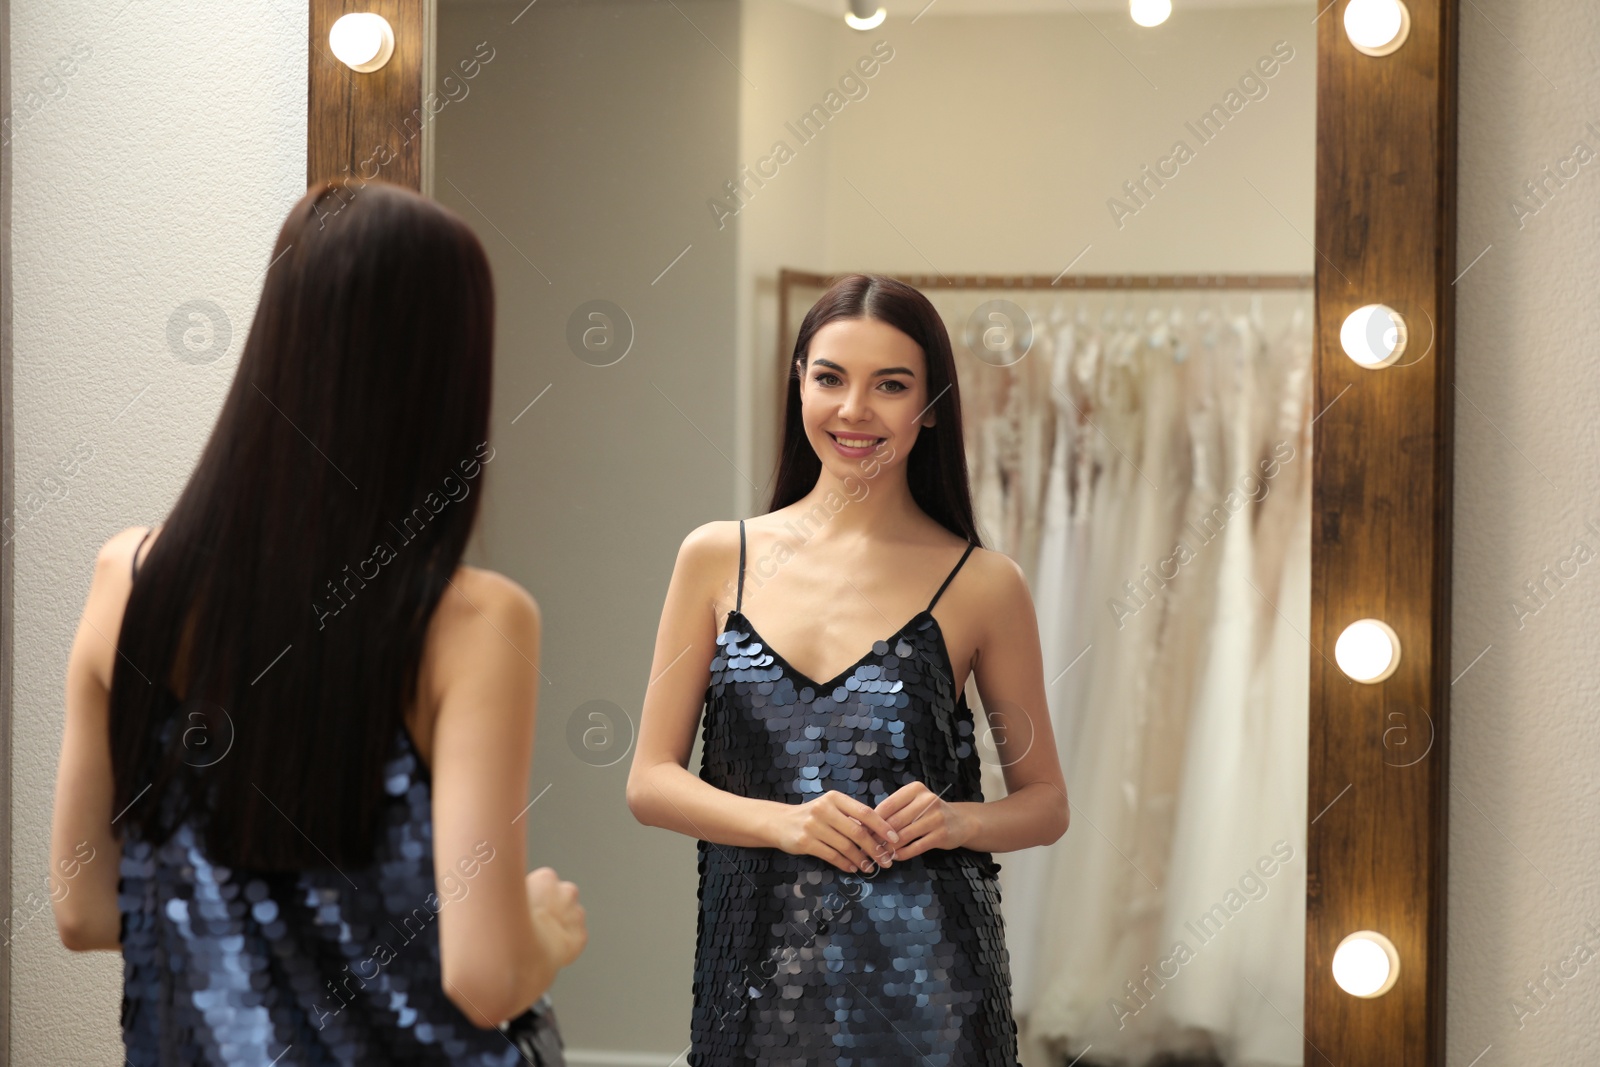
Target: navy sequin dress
312 967
798 963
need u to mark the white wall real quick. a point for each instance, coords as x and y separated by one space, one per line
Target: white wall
161 174
1526 716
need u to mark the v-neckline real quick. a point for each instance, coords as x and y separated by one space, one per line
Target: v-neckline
833 682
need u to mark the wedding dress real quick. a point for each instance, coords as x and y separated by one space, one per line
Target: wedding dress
1024 876
1106 898
1221 904
1171 631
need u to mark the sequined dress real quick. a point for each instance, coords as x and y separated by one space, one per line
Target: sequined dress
800 963
311 967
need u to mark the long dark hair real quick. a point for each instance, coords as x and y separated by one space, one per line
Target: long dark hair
311 545
936 470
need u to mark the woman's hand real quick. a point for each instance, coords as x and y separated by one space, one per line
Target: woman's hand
923 820
558 919
837 828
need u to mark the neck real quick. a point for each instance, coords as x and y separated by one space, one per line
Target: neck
852 506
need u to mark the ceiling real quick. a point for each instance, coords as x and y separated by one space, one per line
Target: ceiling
911 8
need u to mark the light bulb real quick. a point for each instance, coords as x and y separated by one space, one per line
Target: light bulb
362 41
1368 650
864 15
1377 27
1374 336
1366 964
1149 12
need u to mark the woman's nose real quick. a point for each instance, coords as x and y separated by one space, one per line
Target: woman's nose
854 405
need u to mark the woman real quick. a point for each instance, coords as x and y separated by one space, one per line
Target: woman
849 909
289 789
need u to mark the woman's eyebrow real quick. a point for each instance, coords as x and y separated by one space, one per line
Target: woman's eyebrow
877 373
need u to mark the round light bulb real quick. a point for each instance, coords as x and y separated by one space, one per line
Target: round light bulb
1377 27
1149 12
1368 650
362 41
1366 964
861 15
1374 336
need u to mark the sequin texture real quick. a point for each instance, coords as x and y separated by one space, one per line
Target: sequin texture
800 963
231 967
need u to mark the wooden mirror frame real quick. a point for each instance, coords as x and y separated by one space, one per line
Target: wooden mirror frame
1381 482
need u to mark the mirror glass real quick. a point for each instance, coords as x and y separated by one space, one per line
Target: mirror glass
1114 221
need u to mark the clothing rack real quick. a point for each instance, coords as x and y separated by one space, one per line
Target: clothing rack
792 278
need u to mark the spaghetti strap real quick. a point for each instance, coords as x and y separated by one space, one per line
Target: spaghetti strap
148 530
942 588
739 602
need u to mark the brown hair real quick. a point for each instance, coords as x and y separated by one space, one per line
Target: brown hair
312 542
936 470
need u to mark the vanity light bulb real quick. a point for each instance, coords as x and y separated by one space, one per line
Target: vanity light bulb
1377 27
1368 650
1374 336
363 42
864 15
1366 964
1149 12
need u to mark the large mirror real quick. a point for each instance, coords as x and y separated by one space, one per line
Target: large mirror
1110 205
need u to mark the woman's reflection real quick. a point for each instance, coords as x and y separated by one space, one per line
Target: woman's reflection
849 904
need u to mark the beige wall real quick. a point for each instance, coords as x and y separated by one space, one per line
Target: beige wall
162 174
949 166
582 188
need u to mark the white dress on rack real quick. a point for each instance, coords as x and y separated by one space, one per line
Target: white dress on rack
1024 875
1271 1018
1215 891
1181 731
1100 927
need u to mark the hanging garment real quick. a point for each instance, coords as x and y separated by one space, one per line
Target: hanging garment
1025 881
1214 881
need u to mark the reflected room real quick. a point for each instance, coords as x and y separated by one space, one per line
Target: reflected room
1110 206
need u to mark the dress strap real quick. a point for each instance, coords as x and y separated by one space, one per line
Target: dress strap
739 602
942 588
148 530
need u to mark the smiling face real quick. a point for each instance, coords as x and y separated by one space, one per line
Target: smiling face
863 391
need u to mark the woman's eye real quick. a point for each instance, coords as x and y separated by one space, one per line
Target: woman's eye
824 378
899 386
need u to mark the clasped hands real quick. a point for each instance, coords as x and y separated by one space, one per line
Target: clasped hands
855 837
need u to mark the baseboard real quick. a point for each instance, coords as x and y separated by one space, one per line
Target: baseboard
596 1057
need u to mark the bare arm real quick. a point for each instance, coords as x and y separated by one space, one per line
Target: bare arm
84 852
661 789
1009 670
1010 675
495 958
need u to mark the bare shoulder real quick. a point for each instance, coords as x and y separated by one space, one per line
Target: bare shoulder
996 586
118 549
108 598
710 542
708 559
477 599
113 569
484 633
